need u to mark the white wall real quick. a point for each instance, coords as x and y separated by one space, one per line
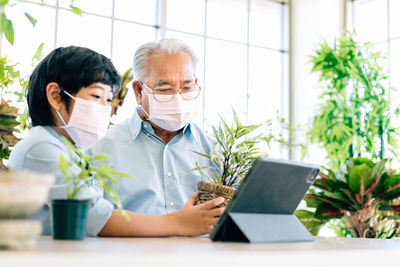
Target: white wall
311 21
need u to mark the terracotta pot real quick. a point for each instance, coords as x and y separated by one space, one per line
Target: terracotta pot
209 191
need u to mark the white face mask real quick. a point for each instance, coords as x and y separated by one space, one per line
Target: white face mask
172 115
88 122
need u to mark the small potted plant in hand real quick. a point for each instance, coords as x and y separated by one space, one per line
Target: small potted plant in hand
232 155
68 216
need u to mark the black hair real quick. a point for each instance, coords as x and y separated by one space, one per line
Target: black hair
72 68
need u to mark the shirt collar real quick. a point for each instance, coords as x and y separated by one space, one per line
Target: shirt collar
136 125
53 132
58 137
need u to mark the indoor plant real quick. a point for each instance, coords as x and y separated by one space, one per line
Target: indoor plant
232 155
363 202
8 124
12 82
6 25
68 217
12 85
119 98
354 117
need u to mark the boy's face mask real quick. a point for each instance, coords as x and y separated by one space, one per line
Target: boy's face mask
88 122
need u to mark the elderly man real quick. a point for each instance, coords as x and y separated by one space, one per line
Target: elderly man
156 144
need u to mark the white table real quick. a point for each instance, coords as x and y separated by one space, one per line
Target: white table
113 252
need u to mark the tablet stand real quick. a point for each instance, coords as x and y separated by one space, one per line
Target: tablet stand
256 227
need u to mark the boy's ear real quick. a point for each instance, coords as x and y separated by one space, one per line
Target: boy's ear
53 92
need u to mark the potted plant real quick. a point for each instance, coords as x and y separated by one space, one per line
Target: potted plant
119 98
363 202
68 217
232 154
354 117
8 124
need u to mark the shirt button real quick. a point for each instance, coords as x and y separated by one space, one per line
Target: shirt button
147 134
172 204
169 174
145 126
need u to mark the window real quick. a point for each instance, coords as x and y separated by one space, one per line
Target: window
241 45
383 31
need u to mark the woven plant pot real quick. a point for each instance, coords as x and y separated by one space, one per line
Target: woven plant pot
209 191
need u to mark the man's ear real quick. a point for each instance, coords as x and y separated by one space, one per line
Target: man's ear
53 95
137 88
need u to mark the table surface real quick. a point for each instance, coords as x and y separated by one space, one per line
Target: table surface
182 251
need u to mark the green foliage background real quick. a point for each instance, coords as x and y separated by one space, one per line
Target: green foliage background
354 117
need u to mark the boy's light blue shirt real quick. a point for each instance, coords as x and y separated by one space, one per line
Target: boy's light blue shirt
163 183
40 151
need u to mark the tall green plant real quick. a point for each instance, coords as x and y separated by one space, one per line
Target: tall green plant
354 116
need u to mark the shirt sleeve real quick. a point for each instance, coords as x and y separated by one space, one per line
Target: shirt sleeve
44 158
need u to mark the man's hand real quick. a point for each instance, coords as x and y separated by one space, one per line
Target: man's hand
198 219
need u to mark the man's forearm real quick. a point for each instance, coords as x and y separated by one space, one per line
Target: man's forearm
140 225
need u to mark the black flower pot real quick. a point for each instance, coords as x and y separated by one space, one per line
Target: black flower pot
68 218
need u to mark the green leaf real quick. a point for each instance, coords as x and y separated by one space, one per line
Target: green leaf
327 212
3 2
202 154
310 222
99 157
10 139
31 19
360 175
8 123
392 187
7 28
38 53
366 161
338 195
76 10
108 189
66 179
64 164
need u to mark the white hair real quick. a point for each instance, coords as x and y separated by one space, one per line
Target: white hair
167 46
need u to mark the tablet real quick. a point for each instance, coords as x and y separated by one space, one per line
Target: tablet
262 207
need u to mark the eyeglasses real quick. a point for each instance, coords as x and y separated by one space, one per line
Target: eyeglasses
167 93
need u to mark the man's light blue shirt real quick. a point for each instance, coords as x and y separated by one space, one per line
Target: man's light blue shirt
163 183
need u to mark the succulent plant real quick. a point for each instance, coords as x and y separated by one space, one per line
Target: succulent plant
364 202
